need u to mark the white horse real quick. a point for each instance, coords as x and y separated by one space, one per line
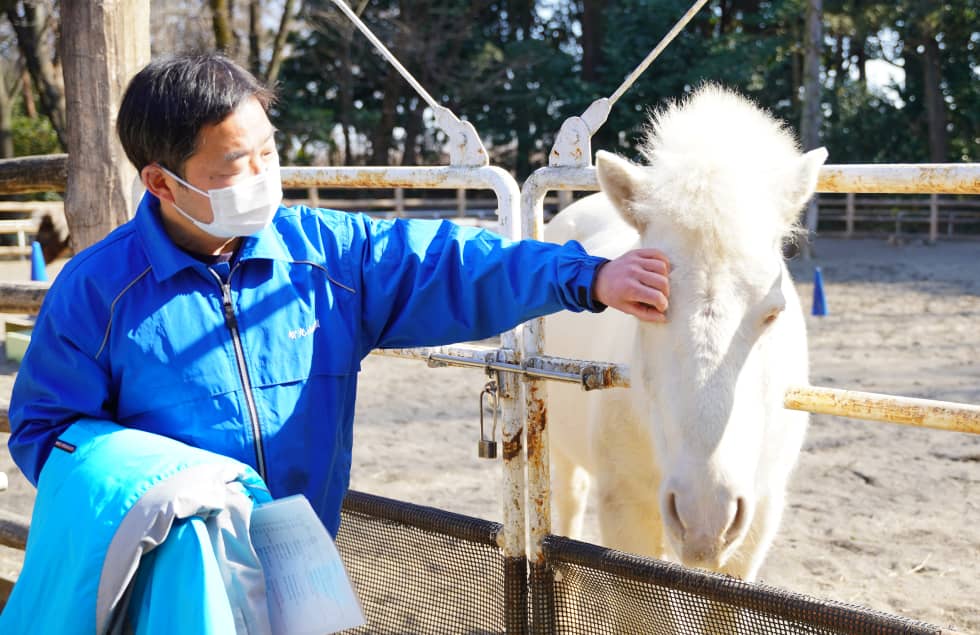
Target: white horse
691 463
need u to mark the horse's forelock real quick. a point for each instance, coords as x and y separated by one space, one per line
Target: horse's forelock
713 156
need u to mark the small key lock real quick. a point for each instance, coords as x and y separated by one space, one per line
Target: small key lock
487 448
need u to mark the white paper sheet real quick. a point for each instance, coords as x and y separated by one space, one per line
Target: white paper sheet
307 586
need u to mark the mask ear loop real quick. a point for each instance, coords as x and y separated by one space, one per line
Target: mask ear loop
205 227
185 183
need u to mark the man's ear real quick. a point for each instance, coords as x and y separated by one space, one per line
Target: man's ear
803 178
620 181
155 181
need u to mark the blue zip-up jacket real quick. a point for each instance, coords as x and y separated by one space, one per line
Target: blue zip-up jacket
260 363
111 499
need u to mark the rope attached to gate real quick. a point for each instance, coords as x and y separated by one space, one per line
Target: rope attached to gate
573 143
465 147
388 55
655 53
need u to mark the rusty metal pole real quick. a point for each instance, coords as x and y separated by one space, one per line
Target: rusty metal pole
513 495
538 461
538 464
923 413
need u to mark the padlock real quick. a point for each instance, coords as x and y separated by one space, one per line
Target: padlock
487 448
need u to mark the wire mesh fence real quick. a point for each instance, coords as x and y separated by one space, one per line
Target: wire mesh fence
423 570
598 590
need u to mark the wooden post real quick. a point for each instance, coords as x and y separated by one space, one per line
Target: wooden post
461 202
399 202
103 44
933 218
849 216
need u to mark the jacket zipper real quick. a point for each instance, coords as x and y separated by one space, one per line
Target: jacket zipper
232 323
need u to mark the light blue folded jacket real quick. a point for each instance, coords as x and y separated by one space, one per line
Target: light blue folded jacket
133 532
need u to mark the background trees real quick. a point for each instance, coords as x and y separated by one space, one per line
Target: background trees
899 79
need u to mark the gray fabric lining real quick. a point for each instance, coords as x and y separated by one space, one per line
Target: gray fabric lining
212 492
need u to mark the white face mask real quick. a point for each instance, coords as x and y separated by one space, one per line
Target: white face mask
242 209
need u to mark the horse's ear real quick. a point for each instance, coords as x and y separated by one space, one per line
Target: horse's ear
620 181
804 182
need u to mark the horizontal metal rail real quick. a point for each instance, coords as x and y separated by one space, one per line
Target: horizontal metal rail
924 413
922 178
588 374
919 178
417 177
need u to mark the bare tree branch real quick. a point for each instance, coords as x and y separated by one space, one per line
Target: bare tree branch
272 73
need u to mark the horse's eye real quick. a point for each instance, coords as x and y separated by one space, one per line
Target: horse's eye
771 316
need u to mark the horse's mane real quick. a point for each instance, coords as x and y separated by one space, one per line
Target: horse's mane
721 166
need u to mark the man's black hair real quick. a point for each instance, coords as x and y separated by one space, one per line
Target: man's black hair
168 102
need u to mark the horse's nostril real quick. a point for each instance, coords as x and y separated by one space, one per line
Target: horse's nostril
738 522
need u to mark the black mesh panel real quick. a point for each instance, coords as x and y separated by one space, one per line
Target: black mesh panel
599 590
423 570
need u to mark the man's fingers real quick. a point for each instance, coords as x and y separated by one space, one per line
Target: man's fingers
646 313
643 294
657 281
652 260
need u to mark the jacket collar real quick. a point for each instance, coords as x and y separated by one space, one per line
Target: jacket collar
167 259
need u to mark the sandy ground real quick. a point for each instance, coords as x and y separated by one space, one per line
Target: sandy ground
880 515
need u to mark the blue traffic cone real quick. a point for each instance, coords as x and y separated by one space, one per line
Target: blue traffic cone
819 301
38 271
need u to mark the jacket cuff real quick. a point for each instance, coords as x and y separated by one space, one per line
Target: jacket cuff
594 305
578 282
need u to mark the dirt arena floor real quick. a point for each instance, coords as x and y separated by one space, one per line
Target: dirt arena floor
880 515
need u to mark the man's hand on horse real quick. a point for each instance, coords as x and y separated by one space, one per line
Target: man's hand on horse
636 283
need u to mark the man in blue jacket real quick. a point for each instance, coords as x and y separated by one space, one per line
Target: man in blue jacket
224 320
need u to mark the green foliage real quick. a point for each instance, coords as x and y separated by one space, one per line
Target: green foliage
34 136
515 69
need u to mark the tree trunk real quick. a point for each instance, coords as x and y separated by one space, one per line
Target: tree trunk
254 37
272 73
934 103
592 13
810 124
39 58
25 87
345 86
6 120
10 87
413 128
223 37
381 144
107 42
